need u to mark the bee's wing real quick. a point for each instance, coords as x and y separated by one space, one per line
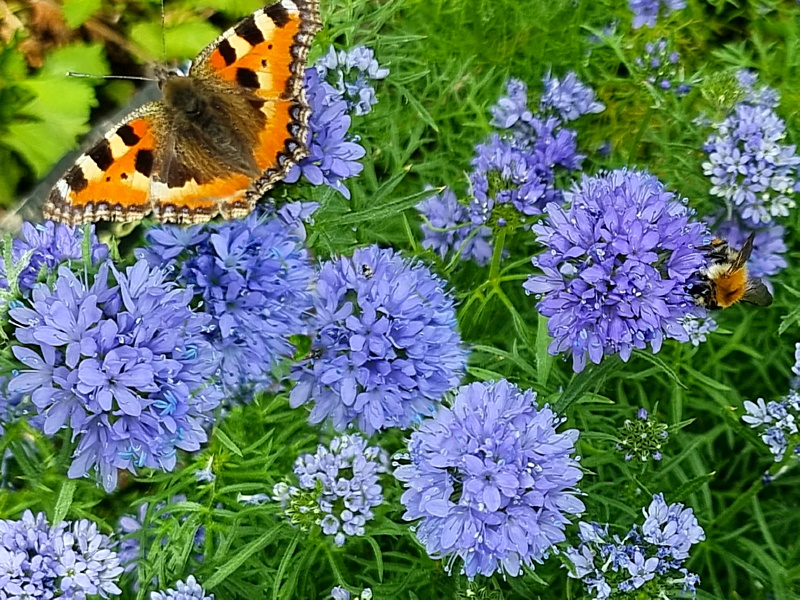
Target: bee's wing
756 293
744 253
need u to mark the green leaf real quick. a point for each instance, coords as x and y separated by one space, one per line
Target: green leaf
64 500
544 360
240 557
77 12
690 487
227 442
184 40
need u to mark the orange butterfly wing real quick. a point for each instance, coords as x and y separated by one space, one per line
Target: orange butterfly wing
111 181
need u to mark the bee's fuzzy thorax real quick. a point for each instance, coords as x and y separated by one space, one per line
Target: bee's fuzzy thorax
729 287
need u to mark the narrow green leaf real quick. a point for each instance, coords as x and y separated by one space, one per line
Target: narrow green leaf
227 442
241 556
690 487
544 360
663 366
64 500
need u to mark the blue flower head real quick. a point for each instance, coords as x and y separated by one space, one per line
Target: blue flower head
444 211
333 153
126 368
387 347
351 72
646 12
568 98
44 246
191 590
490 480
616 267
342 482
777 421
749 166
660 66
253 278
67 560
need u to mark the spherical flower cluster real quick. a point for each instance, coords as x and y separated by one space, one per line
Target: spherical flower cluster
660 66
387 348
43 247
191 590
568 97
68 560
449 229
333 153
697 327
254 278
491 480
522 177
126 368
617 265
642 438
769 247
777 422
351 72
340 482
749 166
645 12
648 558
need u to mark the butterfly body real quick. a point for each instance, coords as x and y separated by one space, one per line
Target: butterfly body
726 281
221 136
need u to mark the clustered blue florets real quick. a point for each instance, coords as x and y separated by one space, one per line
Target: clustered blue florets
617 267
42 247
126 367
491 480
68 560
191 590
660 65
344 482
653 553
645 12
777 421
748 164
337 85
386 348
449 229
254 278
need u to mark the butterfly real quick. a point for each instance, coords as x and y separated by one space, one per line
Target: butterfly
220 137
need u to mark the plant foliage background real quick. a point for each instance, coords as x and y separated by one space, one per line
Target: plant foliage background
449 61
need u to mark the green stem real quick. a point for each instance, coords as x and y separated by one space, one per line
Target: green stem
499 243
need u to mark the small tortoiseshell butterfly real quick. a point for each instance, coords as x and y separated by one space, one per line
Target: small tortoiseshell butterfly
221 136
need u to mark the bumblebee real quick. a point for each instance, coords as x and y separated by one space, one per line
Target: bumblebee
725 281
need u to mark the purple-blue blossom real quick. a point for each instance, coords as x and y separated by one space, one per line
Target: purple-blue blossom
777 422
749 166
448 229
333 152
698 327
653 552
67 560
342 482
511 181
386 348
616 267
757 95
351 73
191 590
646 12
253 278
489 480
660 65
568 97
340 593
122 362
44 246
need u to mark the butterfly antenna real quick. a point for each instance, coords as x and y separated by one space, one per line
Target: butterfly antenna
90 75
163 33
